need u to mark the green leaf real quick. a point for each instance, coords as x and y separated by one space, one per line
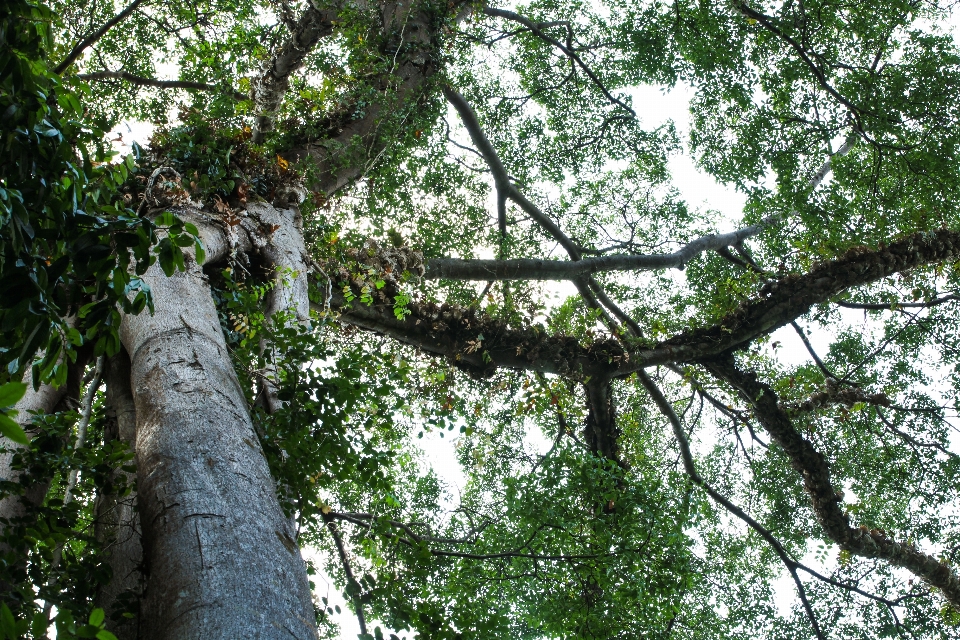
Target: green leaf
39 626
7 623
11 392
96 617
12 430
103 634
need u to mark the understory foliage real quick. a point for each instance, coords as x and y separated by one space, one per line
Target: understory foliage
444 461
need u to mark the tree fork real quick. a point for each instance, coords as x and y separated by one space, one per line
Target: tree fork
813 467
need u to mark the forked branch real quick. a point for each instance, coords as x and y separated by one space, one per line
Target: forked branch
825 499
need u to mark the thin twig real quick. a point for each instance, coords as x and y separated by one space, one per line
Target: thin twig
351 580
688 464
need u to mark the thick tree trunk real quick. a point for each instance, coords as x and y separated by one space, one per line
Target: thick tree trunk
221 558
118 522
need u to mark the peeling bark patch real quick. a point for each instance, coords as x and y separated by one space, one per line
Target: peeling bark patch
287 541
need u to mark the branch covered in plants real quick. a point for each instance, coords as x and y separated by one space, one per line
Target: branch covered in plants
783 300
473 339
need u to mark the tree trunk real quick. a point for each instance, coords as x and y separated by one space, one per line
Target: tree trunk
221 558
117 521
16 508
285 253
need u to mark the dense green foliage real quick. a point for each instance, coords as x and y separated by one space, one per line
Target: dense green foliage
529 532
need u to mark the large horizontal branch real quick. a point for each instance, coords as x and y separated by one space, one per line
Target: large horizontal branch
825 499
481 343
476 342
160 84
534 269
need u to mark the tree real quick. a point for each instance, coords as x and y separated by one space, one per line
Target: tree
344 236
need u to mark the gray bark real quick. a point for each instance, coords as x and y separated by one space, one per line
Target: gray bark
286 253
359 140
221 557
117 521
15 509
270 87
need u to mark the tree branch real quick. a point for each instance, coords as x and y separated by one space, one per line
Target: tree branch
447 330
160 84
689 466
892 306
351 580
96 35
813 354
536 29
538 269
268 90
786 299
765 22
825 499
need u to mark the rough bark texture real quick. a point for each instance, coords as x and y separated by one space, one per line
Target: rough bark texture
268 89
357 139
825 499
602 433
221 558
15 507
455 331
284 252
118 521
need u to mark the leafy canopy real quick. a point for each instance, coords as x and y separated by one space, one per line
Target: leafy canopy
548 535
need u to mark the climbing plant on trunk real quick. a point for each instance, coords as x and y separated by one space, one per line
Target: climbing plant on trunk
356 229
